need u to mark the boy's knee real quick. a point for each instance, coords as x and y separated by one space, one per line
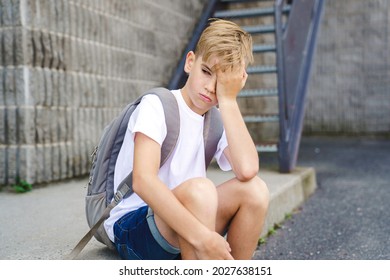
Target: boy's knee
198 190
257 193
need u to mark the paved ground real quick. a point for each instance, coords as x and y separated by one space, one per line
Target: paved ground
348 217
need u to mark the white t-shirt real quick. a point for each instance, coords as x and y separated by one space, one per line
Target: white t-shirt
187 160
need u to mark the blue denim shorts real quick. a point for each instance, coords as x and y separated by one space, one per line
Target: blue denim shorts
137 237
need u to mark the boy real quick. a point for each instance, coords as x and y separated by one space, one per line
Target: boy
176 209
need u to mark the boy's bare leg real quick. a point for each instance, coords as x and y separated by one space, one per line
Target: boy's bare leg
200 197
243 207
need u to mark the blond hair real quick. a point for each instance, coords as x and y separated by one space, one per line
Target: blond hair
227 41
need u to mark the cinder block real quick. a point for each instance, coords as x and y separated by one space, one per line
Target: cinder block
55 162
69 124
46 49
1 51
67 53
37 86
84 163
48 162
72 19
20 86
26 125
69 91
28 53
74 55
29 12
37 48
3 126
43 15
8 46
83 90
3 165
52 15
61 89
102 91
11 126
65 17
56 49
42 127
76 91
53 124
55 88
63 161
61 124
40 164
27 163
69 160
76 159
19 47
47 75
7 13
12 164
2 90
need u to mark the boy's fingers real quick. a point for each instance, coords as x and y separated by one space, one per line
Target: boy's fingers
229 257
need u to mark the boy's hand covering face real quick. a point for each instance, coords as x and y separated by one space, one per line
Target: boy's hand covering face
230 81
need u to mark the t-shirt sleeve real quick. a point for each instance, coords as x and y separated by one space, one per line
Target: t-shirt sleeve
149 119
220 156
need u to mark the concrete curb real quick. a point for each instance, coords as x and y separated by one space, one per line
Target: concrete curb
287 191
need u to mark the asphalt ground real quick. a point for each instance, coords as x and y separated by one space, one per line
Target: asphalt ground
348 216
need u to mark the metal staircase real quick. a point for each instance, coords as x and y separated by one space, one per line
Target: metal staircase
272 101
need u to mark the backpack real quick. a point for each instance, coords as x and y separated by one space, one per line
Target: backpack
100 198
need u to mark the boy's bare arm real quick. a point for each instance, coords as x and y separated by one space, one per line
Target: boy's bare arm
241 151
155 193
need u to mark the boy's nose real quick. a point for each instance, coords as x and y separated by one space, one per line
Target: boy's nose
211 85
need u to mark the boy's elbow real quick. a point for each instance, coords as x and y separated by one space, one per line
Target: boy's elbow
139 180
246 173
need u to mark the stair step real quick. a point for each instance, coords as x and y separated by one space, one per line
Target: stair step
264 48
268 148
241 13
261 69
243 1
259 29
261 119
251 12
258 92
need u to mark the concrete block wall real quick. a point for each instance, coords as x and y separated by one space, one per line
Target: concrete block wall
67 67
349 91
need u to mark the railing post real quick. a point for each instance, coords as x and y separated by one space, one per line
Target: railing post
282 92
295 48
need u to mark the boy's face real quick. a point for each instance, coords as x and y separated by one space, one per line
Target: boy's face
199 91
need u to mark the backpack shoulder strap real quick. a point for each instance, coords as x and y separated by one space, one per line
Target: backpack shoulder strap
212 133
172 121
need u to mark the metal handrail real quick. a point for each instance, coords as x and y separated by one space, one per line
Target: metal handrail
295 46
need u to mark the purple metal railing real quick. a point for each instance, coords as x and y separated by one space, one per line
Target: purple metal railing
295 44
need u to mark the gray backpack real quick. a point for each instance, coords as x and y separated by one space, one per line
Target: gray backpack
100 198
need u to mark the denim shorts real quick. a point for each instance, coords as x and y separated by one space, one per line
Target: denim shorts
137 237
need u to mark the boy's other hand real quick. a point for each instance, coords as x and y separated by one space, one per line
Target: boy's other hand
214 247
230 82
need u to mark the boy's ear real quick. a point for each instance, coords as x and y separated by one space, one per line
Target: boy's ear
190 60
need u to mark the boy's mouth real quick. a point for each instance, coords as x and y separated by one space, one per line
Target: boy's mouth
205 98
